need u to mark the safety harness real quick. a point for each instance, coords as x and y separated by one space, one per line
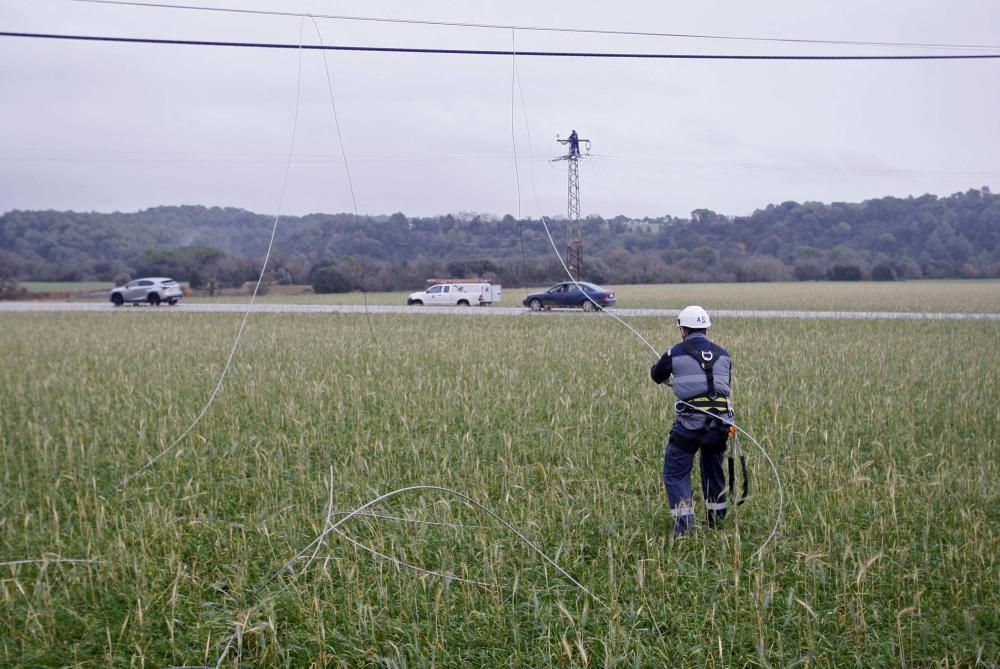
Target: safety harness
706 360
717 406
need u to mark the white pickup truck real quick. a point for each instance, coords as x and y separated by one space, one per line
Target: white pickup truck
457 295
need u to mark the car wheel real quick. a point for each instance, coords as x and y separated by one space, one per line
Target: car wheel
588 306
417 303
117 299
154 299
535 305
172 301
463 303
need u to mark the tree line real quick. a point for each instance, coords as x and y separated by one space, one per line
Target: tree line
880 239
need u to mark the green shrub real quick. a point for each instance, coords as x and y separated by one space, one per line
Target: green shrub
329 280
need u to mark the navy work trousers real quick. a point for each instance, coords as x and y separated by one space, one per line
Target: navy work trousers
677 463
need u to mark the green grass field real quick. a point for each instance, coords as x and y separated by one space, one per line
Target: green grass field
65 286
885 434
940 296
979 296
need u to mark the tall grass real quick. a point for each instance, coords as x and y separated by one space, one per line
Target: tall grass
885 433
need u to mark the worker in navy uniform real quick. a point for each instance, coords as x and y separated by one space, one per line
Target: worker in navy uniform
701 375
574 144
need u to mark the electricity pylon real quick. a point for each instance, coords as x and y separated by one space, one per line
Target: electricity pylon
574 239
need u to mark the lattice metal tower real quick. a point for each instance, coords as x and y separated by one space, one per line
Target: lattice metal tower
574 238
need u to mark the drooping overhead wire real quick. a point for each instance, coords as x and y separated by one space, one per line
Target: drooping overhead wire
347 174
639 55
548 29
263 268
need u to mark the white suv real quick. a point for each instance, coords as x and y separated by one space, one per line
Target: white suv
152 290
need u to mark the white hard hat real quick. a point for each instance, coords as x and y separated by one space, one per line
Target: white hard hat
694 318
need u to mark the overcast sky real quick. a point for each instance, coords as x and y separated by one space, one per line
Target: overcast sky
120 127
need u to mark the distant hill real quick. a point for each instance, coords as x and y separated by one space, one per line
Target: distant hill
927 236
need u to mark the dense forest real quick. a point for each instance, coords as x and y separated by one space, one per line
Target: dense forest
881 239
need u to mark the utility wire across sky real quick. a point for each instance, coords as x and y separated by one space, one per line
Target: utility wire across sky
531 28
498 52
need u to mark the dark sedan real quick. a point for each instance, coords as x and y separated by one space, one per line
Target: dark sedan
571 295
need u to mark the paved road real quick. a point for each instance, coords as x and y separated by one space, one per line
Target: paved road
481 311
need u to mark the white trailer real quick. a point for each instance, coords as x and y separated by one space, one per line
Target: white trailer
457 294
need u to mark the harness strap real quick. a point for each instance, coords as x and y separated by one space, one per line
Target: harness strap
732 479
714 404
